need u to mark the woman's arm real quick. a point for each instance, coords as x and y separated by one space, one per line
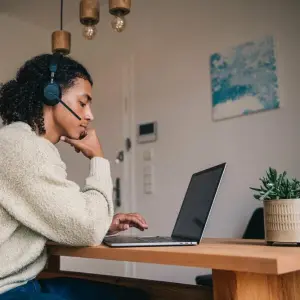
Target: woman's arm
36 192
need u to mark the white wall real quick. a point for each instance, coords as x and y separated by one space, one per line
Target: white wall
172 86
19 41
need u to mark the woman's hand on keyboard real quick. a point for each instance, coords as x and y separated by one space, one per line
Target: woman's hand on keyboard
122 222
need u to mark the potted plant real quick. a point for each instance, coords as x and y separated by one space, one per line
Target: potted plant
281 201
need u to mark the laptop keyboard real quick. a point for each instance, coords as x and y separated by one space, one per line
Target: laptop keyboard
155 239
133 239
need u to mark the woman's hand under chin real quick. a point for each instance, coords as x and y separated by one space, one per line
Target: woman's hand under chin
88 144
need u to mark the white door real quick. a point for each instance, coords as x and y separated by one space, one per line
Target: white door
114 123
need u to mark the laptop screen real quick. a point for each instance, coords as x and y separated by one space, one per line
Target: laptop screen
197 203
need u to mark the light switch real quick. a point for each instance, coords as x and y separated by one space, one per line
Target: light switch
148 176
147 179
148 155
148 170
148 188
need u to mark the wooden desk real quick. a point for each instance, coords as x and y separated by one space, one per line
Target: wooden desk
242 269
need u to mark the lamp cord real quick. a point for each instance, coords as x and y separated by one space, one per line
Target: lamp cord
61 14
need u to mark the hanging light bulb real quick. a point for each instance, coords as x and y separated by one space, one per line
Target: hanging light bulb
119 8
118 23
89 17
89 31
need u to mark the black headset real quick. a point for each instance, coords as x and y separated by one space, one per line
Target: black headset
52 90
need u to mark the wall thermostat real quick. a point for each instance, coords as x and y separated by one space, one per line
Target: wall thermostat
147 132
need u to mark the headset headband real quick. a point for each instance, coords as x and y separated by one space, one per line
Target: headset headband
54 62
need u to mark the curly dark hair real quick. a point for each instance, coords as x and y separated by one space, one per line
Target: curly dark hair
21 99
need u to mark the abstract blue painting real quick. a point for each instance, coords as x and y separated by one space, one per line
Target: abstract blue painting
244 79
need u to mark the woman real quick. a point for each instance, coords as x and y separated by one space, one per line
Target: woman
37 201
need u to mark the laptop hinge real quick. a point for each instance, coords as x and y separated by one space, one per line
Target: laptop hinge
183 238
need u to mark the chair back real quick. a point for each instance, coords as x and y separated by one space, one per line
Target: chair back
255 228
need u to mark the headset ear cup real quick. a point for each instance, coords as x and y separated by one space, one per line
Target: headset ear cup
51 94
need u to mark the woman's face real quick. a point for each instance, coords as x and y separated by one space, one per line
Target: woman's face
78 98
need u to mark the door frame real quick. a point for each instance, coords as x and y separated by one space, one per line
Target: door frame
129 131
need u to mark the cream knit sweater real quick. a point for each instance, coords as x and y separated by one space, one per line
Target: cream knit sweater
38 203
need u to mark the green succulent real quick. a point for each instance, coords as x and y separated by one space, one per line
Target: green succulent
277 186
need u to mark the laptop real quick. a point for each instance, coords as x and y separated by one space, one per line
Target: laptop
192 218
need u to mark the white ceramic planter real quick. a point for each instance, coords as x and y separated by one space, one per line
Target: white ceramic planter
282 221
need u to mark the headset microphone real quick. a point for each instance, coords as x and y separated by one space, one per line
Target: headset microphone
52 91
66 106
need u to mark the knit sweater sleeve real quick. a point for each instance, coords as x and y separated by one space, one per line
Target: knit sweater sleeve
39 195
